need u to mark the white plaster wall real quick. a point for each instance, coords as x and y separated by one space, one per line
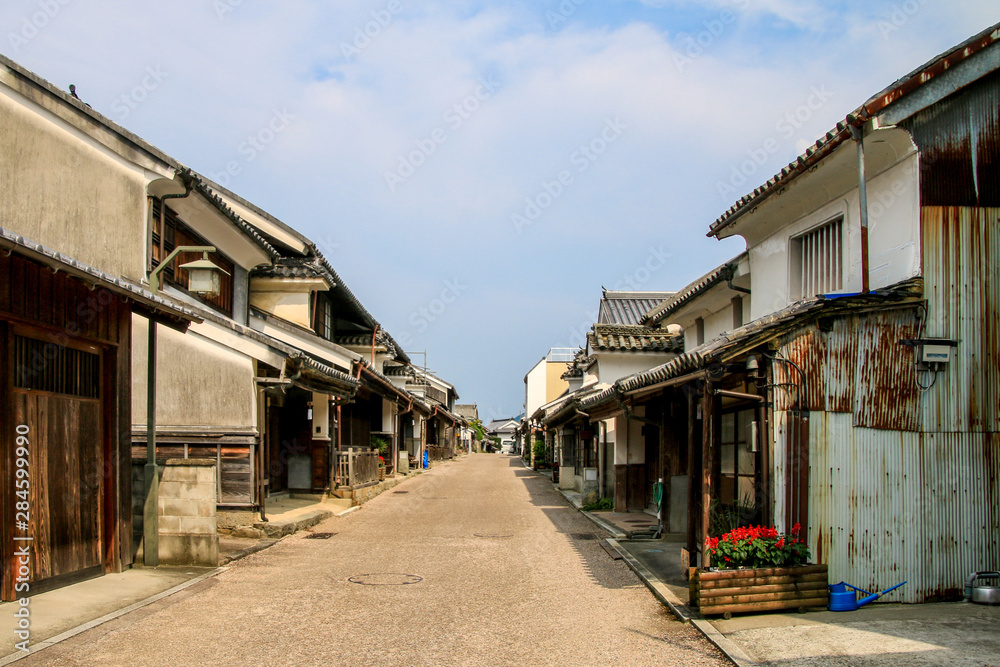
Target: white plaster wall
69 194
321 416
199 382
894 247
534 390
613 366
289 306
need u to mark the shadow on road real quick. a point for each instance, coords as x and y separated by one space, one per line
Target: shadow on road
581 533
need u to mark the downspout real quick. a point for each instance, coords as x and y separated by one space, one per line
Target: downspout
150 514
858 135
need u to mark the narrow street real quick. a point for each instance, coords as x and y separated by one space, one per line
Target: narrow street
477 562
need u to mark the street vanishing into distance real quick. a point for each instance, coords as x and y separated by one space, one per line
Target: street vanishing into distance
484 563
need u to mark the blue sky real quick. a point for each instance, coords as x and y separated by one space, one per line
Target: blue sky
475 170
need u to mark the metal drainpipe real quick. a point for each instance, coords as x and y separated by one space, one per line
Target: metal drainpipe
858 135
150 512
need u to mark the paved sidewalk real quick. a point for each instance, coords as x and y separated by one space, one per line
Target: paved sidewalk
960 634
951 633
65 612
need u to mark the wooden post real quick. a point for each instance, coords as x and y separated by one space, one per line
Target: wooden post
692 459
708 466
350 466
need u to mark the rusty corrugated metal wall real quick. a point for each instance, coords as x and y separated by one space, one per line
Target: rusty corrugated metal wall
961 252
959 143
893 495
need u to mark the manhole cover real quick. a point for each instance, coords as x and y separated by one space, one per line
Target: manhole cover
400 491
319 536
583 536
492 535
385 579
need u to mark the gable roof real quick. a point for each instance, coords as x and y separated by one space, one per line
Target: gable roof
717 275
634 338
842 132
628 307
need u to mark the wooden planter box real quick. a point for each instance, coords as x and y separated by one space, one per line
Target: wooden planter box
727 592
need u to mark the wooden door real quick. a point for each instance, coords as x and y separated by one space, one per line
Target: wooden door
55 395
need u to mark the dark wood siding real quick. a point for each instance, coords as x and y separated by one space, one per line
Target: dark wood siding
65 361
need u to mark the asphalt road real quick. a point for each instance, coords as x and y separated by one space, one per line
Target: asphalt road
476 562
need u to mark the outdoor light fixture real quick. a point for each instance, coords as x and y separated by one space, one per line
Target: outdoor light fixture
204 277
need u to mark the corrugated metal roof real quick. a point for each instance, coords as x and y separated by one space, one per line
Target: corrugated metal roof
628 307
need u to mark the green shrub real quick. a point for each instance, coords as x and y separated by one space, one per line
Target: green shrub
603 504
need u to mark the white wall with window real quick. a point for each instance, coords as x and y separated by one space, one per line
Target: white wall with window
820 251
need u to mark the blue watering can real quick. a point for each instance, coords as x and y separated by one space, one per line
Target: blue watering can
842 599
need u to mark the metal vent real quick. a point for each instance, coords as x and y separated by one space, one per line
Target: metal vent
583 536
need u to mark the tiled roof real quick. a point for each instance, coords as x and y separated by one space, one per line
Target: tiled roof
842 132
628 307
749 336
698 287
289 267
620 338
467 411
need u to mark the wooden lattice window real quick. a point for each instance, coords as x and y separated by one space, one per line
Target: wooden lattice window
57 369
818 260
168 232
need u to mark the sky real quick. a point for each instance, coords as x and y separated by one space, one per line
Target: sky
477 171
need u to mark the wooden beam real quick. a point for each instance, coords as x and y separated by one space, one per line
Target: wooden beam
708 467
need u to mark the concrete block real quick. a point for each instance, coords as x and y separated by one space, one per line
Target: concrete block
567 480
170 525
178 507
200 550
197 526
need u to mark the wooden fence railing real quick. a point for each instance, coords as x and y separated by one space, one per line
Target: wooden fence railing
357 468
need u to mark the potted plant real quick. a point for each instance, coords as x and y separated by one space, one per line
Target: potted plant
755 568
380 445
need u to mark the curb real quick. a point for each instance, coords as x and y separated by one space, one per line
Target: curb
243 553
615 533
734 653
72 632
659 590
